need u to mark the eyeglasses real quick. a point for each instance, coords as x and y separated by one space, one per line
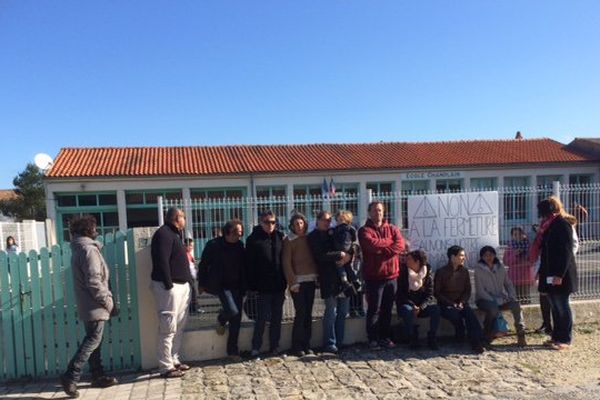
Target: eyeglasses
326 219
269 222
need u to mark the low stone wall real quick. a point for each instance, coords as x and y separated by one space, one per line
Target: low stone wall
205 344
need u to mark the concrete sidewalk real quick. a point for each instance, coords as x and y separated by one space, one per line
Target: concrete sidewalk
453 372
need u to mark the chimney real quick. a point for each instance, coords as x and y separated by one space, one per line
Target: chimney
518 136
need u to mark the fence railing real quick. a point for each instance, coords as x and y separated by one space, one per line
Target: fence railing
39 327
517 208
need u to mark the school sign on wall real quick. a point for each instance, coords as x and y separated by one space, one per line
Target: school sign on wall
438 221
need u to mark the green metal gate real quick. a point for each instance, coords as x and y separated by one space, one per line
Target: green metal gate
39 328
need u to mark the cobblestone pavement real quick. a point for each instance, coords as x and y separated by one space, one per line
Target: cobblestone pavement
506 372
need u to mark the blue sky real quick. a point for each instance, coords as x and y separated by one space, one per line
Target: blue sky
161 73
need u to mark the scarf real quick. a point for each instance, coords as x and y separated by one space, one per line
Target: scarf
415 279
537 243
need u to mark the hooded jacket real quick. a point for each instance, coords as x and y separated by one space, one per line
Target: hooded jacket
381 247
90 278
263 261
493 284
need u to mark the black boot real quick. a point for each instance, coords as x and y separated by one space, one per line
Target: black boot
432 342
414 339
104 381
69 387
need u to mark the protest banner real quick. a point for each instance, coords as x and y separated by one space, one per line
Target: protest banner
438 221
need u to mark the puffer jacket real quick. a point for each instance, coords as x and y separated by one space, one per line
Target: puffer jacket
90 278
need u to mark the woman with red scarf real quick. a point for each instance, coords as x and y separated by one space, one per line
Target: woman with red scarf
558 271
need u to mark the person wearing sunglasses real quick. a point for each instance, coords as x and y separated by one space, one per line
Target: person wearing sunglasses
327 260
266 277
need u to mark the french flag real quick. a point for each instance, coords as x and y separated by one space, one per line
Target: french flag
332 188
324 188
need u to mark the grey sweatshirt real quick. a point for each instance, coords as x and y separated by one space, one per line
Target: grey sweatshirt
493 284
90 278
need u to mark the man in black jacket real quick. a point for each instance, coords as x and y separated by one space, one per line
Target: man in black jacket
265 276
336 306
222 273
171 279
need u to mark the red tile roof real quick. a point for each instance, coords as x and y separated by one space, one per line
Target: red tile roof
8 194
243 159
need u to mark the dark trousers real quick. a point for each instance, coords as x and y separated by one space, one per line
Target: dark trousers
194 296
231 301
406 313
356 303
303 305
88 351
380 300
563 318
462 318
270 308
546 310
492 309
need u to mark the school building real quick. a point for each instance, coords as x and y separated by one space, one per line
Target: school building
120 186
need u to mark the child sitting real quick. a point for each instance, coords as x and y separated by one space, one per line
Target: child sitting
344 236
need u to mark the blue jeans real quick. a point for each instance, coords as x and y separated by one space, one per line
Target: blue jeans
562 317
380 300
231 301
270 307
405 311
88 351
334 320
303 305
461 318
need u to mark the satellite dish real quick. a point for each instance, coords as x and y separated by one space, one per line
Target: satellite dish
43 161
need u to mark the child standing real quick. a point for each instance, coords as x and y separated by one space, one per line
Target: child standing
189 246
520 269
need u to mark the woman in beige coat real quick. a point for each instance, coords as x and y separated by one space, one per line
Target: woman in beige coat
301 275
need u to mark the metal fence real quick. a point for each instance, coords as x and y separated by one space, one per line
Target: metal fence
517 208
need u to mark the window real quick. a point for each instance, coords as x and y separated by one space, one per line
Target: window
484 183
383 191
411 188
214 194
142 206
346 198
448 185
515 203
102 206
381 187
308 200
212 208
545 184
580 203
272 198
580 179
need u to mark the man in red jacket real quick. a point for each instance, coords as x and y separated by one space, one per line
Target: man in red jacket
381 244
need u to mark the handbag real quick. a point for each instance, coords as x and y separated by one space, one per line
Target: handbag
500 325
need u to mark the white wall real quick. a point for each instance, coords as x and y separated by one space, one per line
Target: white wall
185 183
